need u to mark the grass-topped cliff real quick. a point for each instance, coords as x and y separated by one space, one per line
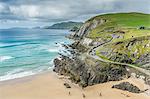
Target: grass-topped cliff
132 19
105 46
129 22
126 37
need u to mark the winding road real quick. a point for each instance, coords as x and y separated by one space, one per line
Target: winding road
92 53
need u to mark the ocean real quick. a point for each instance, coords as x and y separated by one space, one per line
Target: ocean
25 52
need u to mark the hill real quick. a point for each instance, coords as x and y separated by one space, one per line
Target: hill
109 47
65 25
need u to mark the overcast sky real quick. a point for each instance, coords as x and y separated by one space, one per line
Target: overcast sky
26 13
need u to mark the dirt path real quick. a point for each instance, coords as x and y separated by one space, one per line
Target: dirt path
92 53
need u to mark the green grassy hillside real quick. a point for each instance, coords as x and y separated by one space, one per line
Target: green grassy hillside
128 35
126 19
126 22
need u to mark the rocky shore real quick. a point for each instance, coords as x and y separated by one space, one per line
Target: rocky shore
88 71
85 70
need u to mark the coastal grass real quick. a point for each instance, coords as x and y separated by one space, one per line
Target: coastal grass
140 47
128 22
132 33
132 19
120 29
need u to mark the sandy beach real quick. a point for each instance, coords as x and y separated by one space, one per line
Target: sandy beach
50 86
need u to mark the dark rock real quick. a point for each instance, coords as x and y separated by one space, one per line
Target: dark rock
119 57
127 87
67 85
120 42
143 59
119 31
142 28
78 46
74 29
85 73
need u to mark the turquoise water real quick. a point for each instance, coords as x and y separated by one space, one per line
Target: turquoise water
28 51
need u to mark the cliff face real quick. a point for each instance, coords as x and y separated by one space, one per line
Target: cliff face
106 37
86 72
88 26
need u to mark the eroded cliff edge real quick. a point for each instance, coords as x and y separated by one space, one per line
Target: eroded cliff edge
93 44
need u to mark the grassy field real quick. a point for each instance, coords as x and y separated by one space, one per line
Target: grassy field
132 33
125 27
127 22
138 46
126 19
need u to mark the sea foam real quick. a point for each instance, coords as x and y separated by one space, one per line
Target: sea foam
58 47
17 75
53 50
3 58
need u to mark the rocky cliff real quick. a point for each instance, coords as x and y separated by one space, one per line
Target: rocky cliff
109 37
88 71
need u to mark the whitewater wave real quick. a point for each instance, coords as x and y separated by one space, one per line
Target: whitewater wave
58 47
51 62
61 49
10 76
15 44
53 50
3 58
21 72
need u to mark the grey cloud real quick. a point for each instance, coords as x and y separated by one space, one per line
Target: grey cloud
61 10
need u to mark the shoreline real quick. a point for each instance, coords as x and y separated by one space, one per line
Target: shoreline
23 76
26 77
50 85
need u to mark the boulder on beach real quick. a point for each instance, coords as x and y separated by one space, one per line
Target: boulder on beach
127 87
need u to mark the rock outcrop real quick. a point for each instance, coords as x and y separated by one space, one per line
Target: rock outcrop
85 70
94 33
88 71
127 87
87 27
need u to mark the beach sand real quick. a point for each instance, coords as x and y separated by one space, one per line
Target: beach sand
50 86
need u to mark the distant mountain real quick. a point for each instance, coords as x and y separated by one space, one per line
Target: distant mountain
64 25
18 28
38 27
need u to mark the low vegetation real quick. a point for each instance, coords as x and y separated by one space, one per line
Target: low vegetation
129 35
